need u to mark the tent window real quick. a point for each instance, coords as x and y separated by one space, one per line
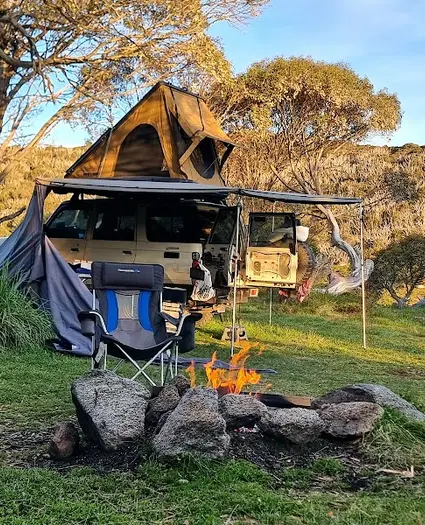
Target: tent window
68 224
140 154
204 158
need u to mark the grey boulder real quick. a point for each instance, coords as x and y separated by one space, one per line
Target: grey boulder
345 420
298 425
110 409
195 428
182 384
166 400
65 441
370 393
241 410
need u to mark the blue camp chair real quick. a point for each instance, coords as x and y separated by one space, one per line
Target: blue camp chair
127 320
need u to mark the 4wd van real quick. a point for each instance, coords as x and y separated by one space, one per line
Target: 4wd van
178 234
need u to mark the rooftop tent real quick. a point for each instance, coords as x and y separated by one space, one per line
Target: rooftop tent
169 133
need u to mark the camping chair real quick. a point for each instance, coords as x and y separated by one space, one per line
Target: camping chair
128 322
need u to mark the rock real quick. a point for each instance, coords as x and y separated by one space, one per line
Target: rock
298 425
161 421
166 400
110 409
344 420
65 441
182 384
195 427
370 393
240 410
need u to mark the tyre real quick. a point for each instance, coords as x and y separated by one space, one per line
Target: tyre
306 262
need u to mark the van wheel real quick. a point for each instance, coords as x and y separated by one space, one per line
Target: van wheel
306 262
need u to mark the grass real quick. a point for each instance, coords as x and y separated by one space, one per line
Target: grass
314 348
22 324
208 494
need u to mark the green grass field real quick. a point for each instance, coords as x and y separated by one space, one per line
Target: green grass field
314 347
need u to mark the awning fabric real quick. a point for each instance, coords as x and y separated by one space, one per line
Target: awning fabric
188 189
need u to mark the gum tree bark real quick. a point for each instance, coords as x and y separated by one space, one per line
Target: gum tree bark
339 284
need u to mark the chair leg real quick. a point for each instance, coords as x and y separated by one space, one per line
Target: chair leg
169 354
120 362
105 355
140 370
93 354
169 369
176 359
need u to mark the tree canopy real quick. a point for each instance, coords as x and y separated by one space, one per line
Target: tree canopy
304 109
399 269
73 57
295 112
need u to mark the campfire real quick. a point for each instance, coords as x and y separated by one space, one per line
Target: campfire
234 379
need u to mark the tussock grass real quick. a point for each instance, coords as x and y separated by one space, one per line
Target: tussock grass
322 304
22 323
397 441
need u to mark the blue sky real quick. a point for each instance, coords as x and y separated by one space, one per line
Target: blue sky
381 39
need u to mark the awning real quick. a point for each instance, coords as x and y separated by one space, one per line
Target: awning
298 198
188 189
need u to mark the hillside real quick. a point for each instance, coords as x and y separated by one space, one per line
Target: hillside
389 178
49 162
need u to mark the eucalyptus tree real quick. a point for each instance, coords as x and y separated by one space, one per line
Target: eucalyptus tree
295 113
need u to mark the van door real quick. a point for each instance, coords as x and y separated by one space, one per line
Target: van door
113 235
220 249
169 235
271 258
67 229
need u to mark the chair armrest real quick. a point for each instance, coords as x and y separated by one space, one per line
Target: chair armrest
89 319
178 322
170 319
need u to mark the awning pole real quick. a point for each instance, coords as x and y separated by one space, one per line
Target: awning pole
363 277
271 289
235 277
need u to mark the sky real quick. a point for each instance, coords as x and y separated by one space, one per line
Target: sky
383 40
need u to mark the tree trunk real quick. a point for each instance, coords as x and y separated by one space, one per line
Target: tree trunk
339 284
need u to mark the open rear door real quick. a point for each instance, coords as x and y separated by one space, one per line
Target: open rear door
271 256
220 250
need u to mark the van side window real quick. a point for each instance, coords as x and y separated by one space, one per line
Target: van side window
69 224
172 225
113 225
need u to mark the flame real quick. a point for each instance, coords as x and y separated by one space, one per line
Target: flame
234 379
192 374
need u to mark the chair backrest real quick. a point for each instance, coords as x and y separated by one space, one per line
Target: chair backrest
130 300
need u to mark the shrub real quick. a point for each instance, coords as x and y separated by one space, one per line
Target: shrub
399 269
22 323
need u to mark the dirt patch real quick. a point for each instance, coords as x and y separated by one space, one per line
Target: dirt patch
410 373
28 448
272 455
